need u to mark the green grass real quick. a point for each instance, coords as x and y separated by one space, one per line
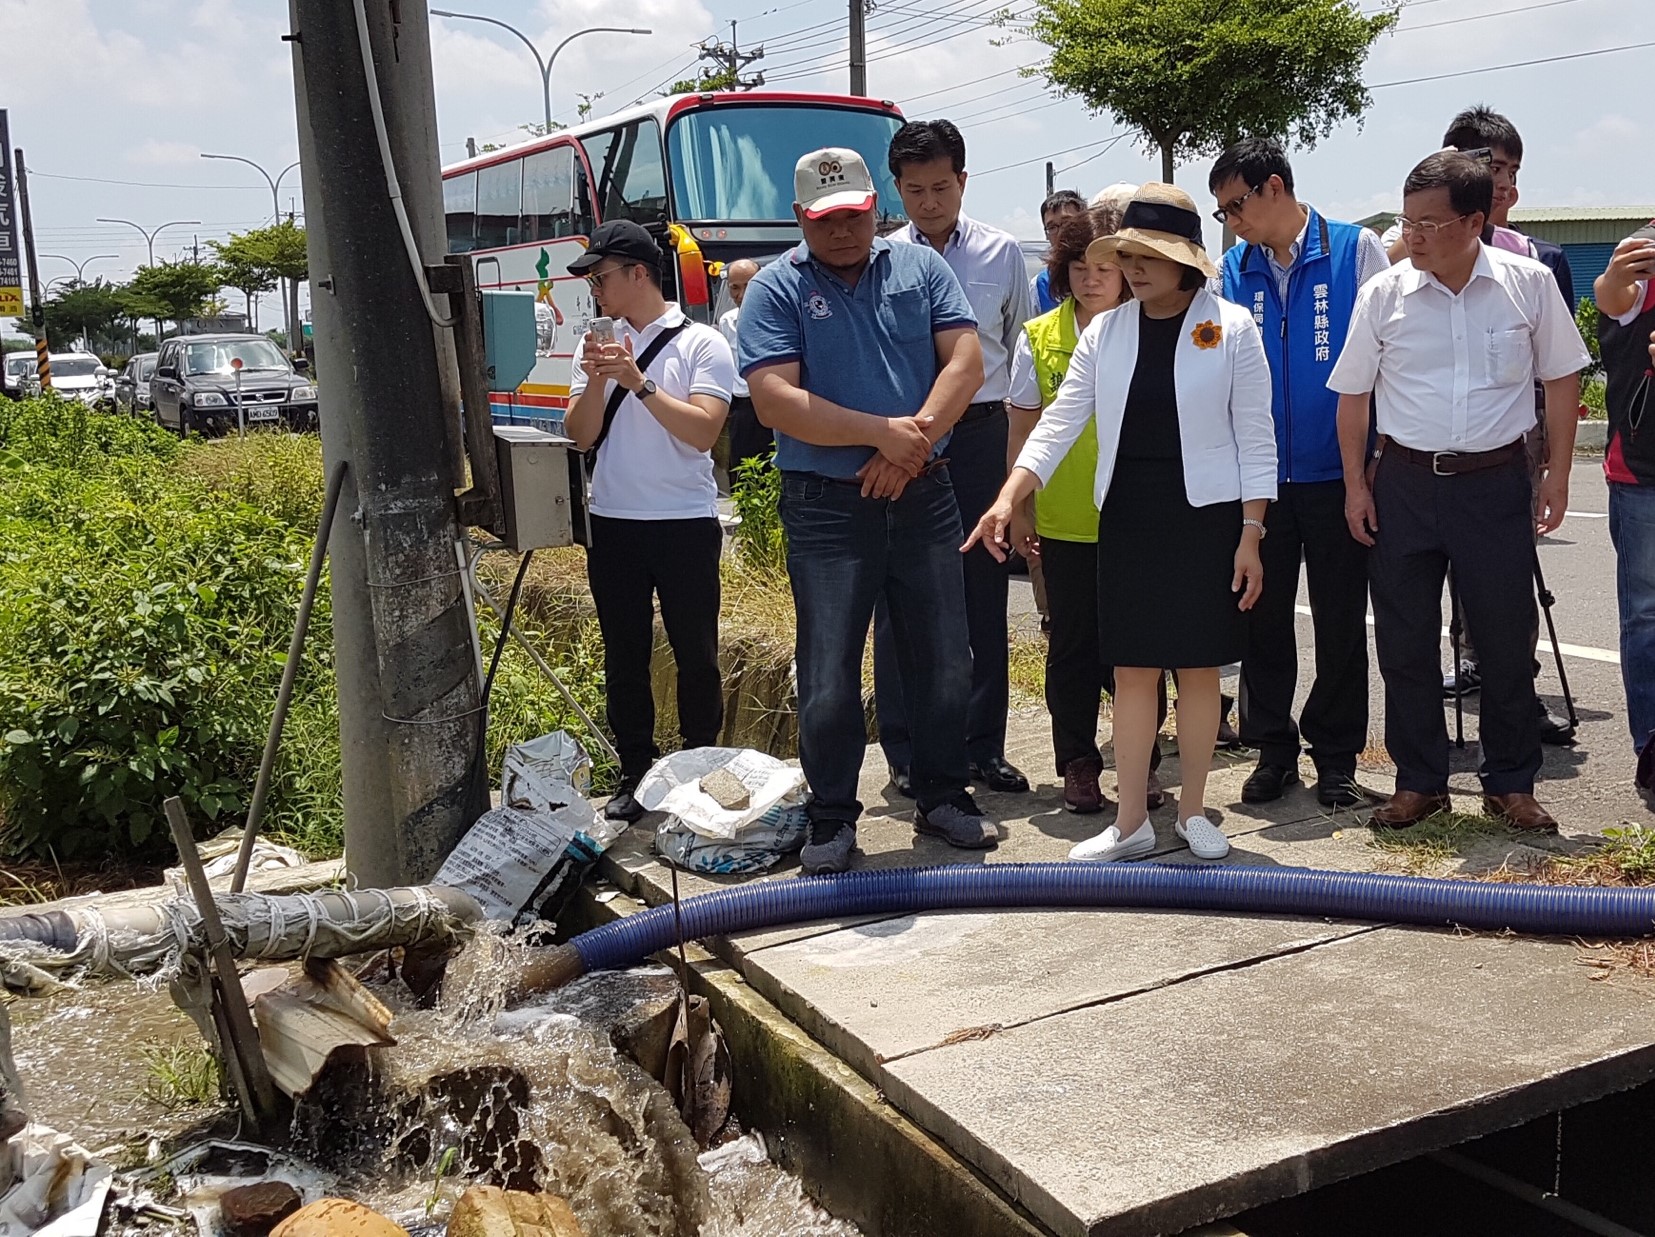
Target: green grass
180 1075
1426 848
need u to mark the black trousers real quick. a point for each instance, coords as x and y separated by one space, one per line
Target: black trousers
749 439
629 564
1307 523
1480 524
977 463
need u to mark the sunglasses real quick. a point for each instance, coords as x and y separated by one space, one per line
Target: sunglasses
595 280
1223 213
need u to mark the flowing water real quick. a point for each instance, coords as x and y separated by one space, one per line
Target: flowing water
533 1098
538 1098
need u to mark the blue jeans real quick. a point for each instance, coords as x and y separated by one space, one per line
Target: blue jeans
1632 529
845 553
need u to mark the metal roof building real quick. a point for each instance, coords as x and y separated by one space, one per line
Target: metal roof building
1588 234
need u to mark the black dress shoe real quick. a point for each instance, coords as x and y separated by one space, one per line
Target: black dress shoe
1340 789
1554 730
902 780
998 774
622 805
1267 783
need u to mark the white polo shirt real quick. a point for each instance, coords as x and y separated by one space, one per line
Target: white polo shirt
728 322
643 472
1455 372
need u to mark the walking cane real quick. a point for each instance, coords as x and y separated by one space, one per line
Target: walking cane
1547 601
1454 633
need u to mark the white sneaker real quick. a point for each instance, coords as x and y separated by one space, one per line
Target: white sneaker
1205 839
1109 846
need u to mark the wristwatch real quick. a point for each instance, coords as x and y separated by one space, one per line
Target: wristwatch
649 388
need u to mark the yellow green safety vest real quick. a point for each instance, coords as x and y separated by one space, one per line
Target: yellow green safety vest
1063 509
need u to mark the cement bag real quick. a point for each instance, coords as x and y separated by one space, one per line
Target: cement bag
674 786
759 846
522 859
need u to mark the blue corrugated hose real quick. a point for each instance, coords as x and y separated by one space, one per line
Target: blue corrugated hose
1548 910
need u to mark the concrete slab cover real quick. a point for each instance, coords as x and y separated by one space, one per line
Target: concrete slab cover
1200 1099
880 991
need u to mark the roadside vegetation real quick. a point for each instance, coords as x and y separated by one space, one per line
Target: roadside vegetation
148 589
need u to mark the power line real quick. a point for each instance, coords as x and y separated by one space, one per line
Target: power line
1516 64
887 54
950 89
141 184
973 18
1454 21
1106 142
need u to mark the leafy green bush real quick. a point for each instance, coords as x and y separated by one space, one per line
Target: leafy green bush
147 594
757 494
142 621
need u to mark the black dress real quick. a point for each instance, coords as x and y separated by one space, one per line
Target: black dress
1164 567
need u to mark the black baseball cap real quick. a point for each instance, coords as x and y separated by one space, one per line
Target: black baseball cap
619 238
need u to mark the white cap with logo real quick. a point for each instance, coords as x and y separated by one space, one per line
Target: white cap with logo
832 179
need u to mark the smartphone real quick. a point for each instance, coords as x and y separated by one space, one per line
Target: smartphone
602 330
1482 154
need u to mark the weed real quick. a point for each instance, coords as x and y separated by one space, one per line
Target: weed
179 1075
1426 848
760 540
445 1166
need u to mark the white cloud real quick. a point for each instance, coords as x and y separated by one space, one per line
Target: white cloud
155 153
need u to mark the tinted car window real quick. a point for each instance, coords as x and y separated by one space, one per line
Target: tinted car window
459 204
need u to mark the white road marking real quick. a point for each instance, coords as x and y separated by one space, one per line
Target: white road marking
1585 652
1588 515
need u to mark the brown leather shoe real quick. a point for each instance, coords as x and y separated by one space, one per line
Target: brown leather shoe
1409 807
1154 796
1520 812
1081 793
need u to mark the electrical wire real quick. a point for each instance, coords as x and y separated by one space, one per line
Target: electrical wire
1516 64
924 27
137 184
1454 21
385 158
1106 143
950 89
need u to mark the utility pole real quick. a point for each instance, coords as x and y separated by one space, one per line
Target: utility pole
37 306
731 61
471 148
1051 177
409 696
858 47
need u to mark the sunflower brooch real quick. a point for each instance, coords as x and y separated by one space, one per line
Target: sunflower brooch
1208 335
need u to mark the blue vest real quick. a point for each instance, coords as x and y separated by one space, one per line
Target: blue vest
1303 339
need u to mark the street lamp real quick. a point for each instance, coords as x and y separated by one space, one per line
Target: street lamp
546 62
149 237
276 203
80 267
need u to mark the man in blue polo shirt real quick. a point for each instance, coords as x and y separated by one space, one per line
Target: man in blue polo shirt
862 355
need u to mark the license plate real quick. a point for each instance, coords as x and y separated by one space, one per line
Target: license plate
262 414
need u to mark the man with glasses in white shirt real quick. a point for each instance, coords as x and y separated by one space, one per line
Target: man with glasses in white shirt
1450 344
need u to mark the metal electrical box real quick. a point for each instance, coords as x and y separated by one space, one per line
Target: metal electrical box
508 337
541 510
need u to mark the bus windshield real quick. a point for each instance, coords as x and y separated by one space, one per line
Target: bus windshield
734 162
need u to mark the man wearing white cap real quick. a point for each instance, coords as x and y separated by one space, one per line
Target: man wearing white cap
862 355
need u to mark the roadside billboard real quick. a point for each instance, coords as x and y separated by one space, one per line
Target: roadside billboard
11 248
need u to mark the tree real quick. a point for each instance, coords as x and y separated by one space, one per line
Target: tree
82 309
723 79
245 268
1192 76
174 291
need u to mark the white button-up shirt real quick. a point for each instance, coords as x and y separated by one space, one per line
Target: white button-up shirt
989 265
1455 372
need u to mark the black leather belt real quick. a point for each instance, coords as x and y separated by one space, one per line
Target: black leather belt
980 412
1453 463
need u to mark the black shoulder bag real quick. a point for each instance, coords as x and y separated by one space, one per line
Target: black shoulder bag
581 463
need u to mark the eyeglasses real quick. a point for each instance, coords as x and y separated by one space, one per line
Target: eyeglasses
1223 213
1426 227
595 280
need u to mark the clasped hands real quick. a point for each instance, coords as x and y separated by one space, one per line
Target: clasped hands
602 361
904 449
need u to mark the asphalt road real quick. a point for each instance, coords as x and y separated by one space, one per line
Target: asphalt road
1587 786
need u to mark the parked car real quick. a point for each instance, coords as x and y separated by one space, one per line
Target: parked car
132 385
81 376
17 373
195 387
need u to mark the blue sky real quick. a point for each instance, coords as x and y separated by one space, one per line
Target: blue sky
135 90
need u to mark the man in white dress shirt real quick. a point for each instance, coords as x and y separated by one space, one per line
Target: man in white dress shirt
1450 344
927 161
748 438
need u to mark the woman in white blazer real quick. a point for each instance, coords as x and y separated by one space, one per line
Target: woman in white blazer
1179 388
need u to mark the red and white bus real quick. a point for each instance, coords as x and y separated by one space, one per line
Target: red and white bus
712 173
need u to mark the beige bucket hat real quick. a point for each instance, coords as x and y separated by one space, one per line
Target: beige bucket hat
1159 222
